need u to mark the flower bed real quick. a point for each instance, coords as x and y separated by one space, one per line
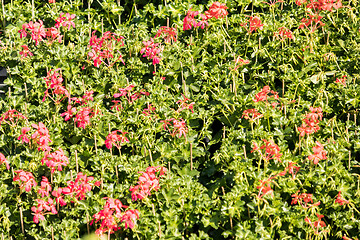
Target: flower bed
175 119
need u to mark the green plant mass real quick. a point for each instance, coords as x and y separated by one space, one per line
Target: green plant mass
179 119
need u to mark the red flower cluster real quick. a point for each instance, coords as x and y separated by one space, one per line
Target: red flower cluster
43 207
317 5
251 114
38 32
53 34
254 24
65 20
292 169
178 126
314 21
103 48
149 110
341 80
340 200
284 33
11 117
41 137
272 150
58 197
184 105
216 10
84 113
131 97
319 153
265 188
69 113
169 33
263 96
190 21
54 81
152 51
111 214
316 224
148 181
45 187
83 116
303 200
26 180
80 187
24 137
116 139
55 160
311 122
4 160
25 52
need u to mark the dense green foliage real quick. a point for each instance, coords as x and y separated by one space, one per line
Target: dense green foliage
217 185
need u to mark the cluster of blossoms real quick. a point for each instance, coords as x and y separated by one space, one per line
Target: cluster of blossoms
272 150
11 117
40 137
55 160
45 187
265 186
39 33
340 200
190 21
178 127
149 110
316 224
42 208
65 20
303 199
102 49
129 96
313 21
116 139
45 204
251 114
317 5
183 104
284 33
4 160
84 113
319 153
216 10
25 52
83 116
54 81
169 34
311 121
35 29
78 188
151 51
111 215
253 24
53 34
291 169
148 182
263 96
341 80
26 180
